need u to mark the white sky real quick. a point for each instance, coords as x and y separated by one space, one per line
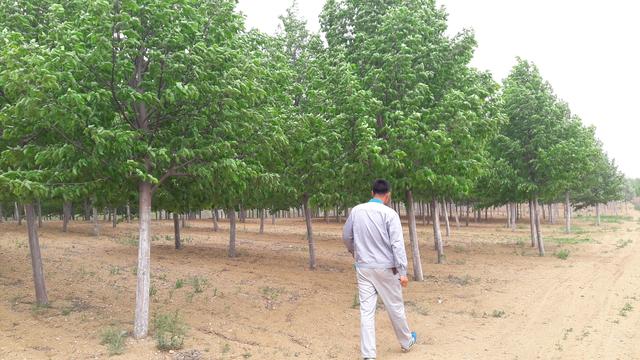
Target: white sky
588 50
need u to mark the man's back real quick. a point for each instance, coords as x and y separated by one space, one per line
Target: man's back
373 233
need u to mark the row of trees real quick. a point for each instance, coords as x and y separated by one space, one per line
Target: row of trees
173 105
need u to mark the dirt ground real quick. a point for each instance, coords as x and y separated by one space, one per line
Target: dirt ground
494 299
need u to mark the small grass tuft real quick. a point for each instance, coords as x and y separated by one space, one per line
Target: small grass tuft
39 309
179 283
462 281
498 313
623 243
625 309
153 290
562 254
198 284
113 338
170 331
271 293
114 270
570 240
356 301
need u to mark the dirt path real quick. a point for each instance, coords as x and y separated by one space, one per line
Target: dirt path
494 299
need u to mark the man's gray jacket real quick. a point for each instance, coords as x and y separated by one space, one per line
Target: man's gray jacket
373 234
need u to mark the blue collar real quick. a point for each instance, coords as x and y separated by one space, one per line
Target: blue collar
376 201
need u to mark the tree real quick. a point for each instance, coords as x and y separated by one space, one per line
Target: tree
569 161
330 126
421 78
605 183
535 117
159 88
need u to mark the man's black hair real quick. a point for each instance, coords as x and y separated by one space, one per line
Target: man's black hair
380 187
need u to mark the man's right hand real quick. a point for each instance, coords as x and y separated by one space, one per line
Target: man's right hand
404 281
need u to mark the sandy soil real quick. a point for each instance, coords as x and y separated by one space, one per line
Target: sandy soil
494 299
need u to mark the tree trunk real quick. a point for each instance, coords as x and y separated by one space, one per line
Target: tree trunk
538 229
18 216
312 245
231 213
551 217
36 259
446 218
128 213
424 213
1 213
176 231
96 225
467 218
456 209
273 218
39 214
514 216
66 215
115 217
508 211
214 217
141 324
567 213
243 214
413 238
437 236
184 220
87 210
532 223
261 221
597 214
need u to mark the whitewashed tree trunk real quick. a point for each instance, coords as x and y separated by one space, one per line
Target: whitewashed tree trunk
437 236
273 218
231 213
538 229
261 221
36 258
141 323
508 211
312 245
446 218
532 222
176 232
128 213
597 214
413 238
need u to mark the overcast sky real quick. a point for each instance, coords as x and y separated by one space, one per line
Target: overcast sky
588 50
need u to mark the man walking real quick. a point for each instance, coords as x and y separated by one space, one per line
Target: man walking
373 235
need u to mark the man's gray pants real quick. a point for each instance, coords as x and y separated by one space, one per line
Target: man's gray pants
371 283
